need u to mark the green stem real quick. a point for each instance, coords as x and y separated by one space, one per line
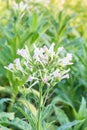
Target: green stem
39 111
13 97
12 103
45 96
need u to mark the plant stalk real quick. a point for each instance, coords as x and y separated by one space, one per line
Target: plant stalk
39 111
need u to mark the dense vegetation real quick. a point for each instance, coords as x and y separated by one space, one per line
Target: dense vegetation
36 36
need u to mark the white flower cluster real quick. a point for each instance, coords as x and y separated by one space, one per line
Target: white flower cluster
45 65
25 5
21 6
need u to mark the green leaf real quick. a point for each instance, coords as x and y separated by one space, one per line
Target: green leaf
3 128
47 111
64 99
61 116
82 113
68 125
82 109
8 115
18 123
29 106
27 116
4 100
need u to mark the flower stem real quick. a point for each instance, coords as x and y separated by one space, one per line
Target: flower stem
39 111
12 103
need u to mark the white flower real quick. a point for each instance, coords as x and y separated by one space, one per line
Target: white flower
18 64
30 78
23 53
67 60
56 74
43 1
21 6
60 49
15 6
51 50
69 56
39 55
11 66
53 67
36 53
42 54
44 80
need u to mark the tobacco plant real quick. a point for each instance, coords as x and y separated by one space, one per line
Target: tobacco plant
43 68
